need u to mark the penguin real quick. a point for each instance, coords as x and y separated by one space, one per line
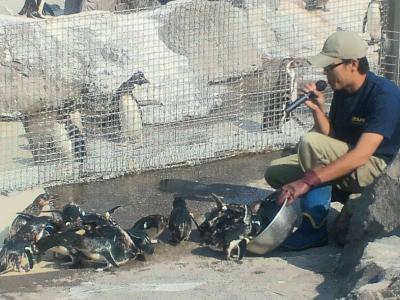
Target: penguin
21 243
127 115
75 144
236 237
59 243
218 219
12 253
111 244
372 22
180 221
153 225
28 8
229 227
62 143
36 9
34 209
285 90
141 240
96 219
71 214
108 244
316 4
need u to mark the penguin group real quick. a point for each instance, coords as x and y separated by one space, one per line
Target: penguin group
77 238
227 227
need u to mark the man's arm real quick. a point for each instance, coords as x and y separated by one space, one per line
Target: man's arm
355 158
321 122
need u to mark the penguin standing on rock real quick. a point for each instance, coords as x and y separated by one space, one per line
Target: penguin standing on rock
316 4
372 22
180 221
127 115
36 9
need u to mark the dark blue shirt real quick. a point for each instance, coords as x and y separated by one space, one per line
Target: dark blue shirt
375 108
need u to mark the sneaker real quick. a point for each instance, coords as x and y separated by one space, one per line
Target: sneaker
308 235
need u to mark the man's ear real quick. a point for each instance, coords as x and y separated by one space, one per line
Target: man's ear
354 64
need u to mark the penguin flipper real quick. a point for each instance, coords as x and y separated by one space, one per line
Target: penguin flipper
113 209
110 259
218 201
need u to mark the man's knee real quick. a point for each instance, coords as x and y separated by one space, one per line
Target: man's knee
271 176
310 140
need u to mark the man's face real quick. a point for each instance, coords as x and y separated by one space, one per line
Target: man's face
341 75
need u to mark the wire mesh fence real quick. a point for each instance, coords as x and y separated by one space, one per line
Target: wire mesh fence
100 94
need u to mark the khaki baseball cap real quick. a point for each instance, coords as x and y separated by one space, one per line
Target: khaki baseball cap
340 45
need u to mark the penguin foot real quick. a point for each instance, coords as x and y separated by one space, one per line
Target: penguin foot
37 15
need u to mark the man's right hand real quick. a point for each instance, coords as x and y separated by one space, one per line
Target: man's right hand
318 102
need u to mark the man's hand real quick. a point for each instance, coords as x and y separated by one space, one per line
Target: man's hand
292 191
319 101
295 189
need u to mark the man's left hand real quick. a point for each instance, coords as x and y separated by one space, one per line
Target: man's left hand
292 191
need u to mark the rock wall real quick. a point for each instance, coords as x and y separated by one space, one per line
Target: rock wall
370 267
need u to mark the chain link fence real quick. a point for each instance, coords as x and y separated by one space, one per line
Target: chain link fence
100 94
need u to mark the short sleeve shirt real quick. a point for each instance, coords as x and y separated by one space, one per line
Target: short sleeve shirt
375 108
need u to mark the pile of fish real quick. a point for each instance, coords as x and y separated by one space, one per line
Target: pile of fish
80 237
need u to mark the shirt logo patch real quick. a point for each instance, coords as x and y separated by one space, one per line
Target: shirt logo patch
358 120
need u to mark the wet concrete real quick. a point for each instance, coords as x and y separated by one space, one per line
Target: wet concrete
152 192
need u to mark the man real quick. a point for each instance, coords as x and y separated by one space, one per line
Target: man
347 149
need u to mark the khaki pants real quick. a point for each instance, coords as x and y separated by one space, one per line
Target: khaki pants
316 150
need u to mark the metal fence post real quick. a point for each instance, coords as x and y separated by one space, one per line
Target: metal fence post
393 33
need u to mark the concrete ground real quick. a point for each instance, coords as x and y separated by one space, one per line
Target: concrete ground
186 270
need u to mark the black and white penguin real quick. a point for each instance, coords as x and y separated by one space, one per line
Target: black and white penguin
141 240
97 219
127 116
59 243
229 227
110 244
21 243
180 221
34 209
316 4
285 90
71 214
12 253
236 236
153 225
372 22
36 9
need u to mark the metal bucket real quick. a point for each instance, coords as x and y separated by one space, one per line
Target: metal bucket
284 218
